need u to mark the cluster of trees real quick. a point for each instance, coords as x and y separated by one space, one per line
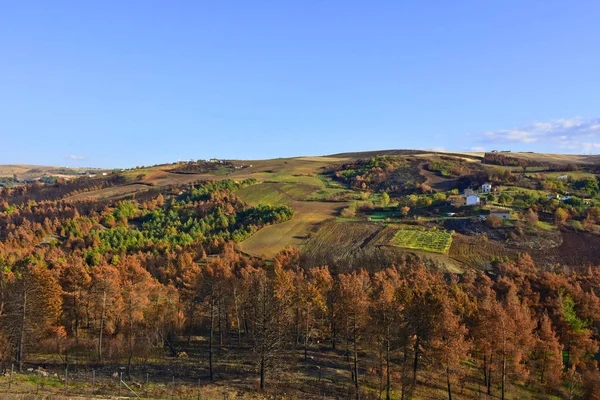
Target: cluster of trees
398 175
201 167
496 158
58 188
202 214
450 167
102 282
518 324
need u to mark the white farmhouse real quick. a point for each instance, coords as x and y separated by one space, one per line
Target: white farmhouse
486 188
472 200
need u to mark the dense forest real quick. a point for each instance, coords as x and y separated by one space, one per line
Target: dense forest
129 282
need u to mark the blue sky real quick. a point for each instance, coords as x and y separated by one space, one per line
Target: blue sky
125 83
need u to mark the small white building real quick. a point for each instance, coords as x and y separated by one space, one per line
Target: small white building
472 200
563 177
486 188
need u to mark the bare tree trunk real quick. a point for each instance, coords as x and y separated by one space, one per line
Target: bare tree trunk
485 369
307 333
448 382
101 327
220 324
503 373
503 358
21 346
489 382
298 326
237 317
130 337
356 384
263 339
387 364
210 340
333 327
76 319
262 371
543 368
416 361
191 327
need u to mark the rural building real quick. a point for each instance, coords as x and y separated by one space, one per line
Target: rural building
553 196
468 198
486 188
563 177
472 200
504 214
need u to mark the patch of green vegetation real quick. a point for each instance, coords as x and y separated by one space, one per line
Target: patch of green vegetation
304 179
545 226
435 241
276 193
334 194
381 174
263 193
449 168
383 215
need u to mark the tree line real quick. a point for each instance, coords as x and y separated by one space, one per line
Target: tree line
70 287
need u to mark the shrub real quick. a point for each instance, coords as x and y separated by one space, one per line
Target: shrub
349 212
493 221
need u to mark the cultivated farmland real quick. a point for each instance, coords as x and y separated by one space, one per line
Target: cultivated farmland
436 241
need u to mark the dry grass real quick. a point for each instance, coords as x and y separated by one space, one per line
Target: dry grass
114 193
307 215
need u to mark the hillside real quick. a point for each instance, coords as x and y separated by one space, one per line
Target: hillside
306 277
304 183
20 174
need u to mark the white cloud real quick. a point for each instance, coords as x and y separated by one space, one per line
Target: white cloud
574 134
73 157
477 149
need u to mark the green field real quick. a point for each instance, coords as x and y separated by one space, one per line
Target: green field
380 216
435 241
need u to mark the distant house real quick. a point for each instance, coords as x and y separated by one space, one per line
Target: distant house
563 177
554 196
504 214
472 200
486 188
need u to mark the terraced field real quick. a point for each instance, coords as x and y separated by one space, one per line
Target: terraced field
435 241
